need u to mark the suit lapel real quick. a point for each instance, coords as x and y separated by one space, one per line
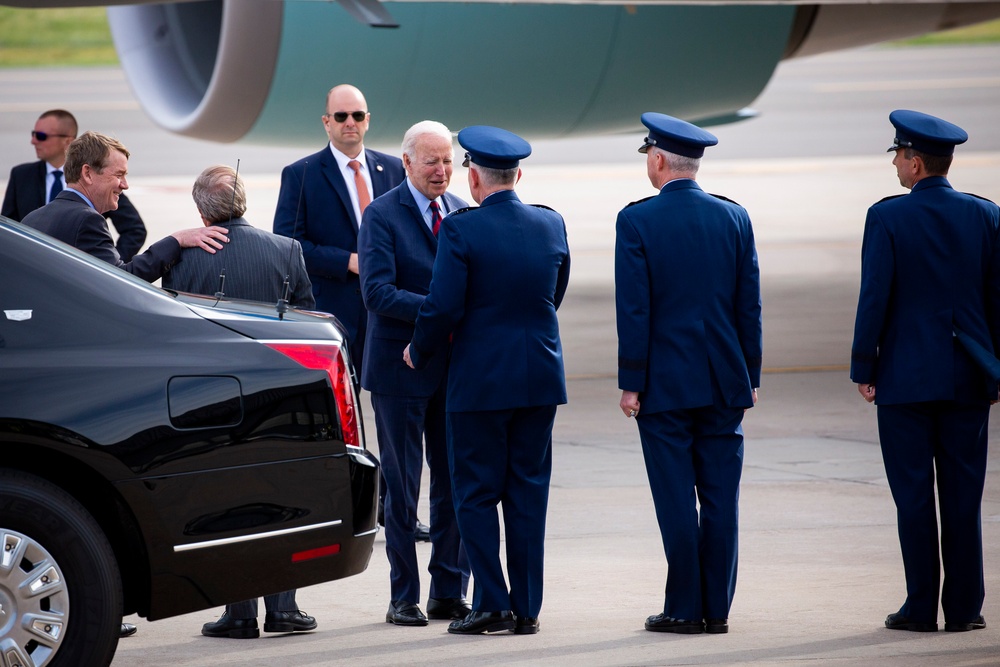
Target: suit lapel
331 171
407 200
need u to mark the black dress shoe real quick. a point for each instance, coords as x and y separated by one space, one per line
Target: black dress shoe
478 622
234 628
440 609
526 625
288 621
978 624
422 533
716 626
402 612
128 630
662 623
899 622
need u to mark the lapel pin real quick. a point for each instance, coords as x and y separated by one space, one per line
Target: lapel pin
378 167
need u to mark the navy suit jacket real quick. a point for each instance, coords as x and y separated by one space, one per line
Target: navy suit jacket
26 192
500 274
256 263
930 264
327 228
396 252
71 220
687 291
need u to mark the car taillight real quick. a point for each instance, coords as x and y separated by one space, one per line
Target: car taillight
329 358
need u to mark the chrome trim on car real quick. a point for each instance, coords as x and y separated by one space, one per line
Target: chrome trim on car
248 538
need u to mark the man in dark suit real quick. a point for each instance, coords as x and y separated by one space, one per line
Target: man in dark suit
255 264
96 168
320 204
500 273
687 291
34 184
396 248
930 280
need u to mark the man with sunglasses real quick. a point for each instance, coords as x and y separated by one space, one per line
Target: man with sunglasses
320 203
34 184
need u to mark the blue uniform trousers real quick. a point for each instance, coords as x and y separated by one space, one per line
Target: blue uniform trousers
503 457
949 439
404 424
248 608
696 453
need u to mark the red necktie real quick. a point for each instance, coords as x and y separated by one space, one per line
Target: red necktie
364 198
435 217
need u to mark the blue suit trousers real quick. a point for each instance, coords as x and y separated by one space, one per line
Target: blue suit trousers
248 608
404 424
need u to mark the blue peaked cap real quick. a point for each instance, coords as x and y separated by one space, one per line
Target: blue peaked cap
492 147
925 133
675 135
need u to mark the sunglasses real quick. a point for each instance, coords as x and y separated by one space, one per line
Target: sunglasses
341 116
42 136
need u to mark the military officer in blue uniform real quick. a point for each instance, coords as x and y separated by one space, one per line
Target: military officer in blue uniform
687 291
499 275
930 279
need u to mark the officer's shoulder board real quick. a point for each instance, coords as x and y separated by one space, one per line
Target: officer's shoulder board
725 199
543 206
465 209
639 201
979 197
889 198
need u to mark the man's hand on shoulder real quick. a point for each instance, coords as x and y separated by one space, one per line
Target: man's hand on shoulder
208 239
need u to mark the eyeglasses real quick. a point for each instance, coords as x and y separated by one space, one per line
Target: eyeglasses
341 116
42 136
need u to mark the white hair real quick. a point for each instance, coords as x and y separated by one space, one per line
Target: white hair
423 127
680 164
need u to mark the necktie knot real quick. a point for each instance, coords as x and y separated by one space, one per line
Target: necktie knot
57 185
435 217
364 197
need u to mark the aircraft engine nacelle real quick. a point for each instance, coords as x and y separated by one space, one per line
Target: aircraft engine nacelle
259 70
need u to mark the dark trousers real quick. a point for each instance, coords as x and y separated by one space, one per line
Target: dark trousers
277 602
696 454
503 457
947 440
405 424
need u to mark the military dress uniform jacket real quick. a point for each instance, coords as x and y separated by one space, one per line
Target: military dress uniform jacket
327 228
688 299
71 220
930 266
26 193
396 252
500 274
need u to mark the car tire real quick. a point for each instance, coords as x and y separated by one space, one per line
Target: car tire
48 540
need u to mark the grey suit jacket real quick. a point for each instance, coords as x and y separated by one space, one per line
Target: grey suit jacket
255 263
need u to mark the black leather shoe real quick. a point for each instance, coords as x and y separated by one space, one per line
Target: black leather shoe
422 533
402 612
899 622
234 628
440 609
288 621
128 630
978 624
716 626
478 622
661 623
525 625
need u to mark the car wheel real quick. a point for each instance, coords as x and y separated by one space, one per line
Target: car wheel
60 590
